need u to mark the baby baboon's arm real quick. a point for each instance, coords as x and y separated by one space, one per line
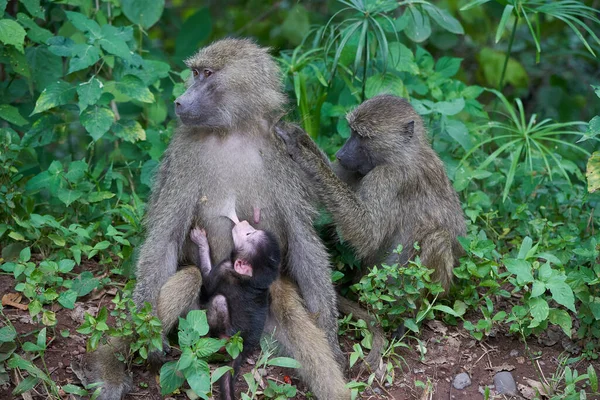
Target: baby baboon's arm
198 236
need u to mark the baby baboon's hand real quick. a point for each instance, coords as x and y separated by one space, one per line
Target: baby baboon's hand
198 236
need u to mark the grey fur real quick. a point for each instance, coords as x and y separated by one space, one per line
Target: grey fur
239 157
404 197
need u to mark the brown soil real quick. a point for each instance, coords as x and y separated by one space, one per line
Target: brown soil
447 352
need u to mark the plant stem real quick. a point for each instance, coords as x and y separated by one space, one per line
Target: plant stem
510 43
365 54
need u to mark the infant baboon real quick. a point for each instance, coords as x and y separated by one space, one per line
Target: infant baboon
235 293
389 187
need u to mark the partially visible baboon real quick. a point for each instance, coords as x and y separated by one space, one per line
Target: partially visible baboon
235 293
388 187
226 148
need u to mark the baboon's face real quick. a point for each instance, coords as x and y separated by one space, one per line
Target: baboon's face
199 105
355 155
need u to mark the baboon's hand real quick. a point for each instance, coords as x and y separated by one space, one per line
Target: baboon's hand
290 138
198 236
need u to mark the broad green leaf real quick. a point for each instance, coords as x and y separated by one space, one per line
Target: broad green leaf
447 66
450 107
129 130
198 321
207 346
198 377
74 390
492 62
402 59
35 32
68 196
219 372
85 55
3 4
296 25
562 294
84 283
67 299
65 266
89 93
25 255
84 24
526 245
26 385
538 288
61 46
458 131
34 8
170 378
39 58
593 172
114 41
561 318
12 115
143 12
444 19
538 307
384 83
418 28
134 87
12 33
7 334
97 121
55 95
593 129
520 268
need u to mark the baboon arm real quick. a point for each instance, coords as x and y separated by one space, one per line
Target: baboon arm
361 216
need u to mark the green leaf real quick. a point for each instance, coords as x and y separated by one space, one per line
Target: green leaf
7 334
538 307
593 129
66 265
520 268
508 9
198 377
492 62
3 4
25 255
170 378
447 66
85 55
12 115
444 19
61 46
55 95
561 318
95 197
198 321
418 28
538 288
84 24
89 93
142 12
284 362
114 41
593 172
219 372
97 121
67 299
132 86
26 384
84 283
12 33
562 294
458 131
74 390
450 107
402 59
129 130
35 33
34 8
68 196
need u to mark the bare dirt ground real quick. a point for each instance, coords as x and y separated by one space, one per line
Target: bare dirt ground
448 352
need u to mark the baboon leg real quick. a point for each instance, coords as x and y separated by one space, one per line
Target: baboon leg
347 307
178 296
103 366
305 342
306 255
217 315
436 253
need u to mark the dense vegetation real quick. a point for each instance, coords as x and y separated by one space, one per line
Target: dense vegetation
508 89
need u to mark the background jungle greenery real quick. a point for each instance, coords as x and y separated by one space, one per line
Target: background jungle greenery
509 90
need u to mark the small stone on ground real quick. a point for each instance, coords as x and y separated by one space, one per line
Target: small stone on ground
505 383
461 381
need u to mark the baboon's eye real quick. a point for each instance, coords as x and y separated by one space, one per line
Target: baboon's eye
195 73
207 73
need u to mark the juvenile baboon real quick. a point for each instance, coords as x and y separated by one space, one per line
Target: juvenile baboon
235 293
226 148
388 187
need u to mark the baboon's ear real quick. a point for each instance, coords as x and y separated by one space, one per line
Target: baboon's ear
409 130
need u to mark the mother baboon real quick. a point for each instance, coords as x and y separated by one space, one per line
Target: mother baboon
226 152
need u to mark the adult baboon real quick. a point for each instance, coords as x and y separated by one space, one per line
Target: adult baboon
389 187
226 152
